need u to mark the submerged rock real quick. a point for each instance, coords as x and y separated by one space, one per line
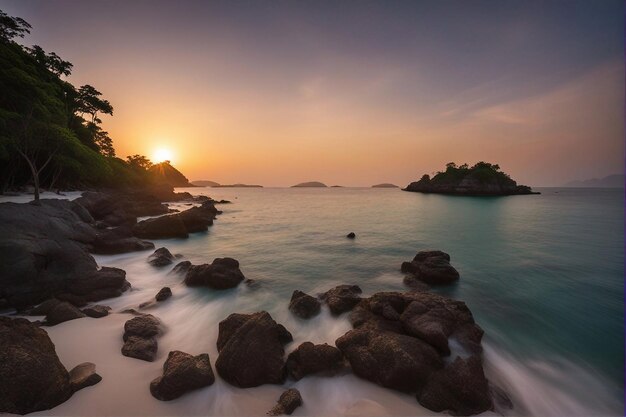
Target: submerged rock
221 274
61 312
251 350
84 375
31 376
432 267
342 298
161 257
304 305
182 373
97 311
287 403
310 359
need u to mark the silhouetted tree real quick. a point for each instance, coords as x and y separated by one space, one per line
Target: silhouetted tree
139 161
12 27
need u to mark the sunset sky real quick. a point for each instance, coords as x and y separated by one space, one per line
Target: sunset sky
351 93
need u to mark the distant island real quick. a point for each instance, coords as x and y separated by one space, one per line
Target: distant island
205 183
385 185
611 181
237 186
482 179
336 186
311 184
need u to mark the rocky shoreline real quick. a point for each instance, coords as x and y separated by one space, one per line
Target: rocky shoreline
415 342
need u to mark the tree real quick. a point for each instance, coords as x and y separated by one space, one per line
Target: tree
51 61
139 162
12 27
89 102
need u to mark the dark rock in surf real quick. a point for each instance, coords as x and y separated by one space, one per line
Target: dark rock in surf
44 308
342 298
145 325
251 351
351 235
163 294
161 257
97 311
84 375
181 267
310 359
62 312
432 267
182 373
304 305
140 337
118 240
221 274
164 227
287 403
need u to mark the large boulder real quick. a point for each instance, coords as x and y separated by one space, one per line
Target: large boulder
222 273
164 227
118 240
304 305
31 376
310 359
140 337
251 350
342 298
432 267
161 257
62 312
389 359
182 373
287 403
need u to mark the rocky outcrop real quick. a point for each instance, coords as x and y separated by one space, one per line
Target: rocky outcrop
432 267
304 305
118 240
161 257
140 337
287 403
309 359
182 373
61 312
96 311
342 298
400 340
44 253
195 219
221 274
251 351
84 375
31 376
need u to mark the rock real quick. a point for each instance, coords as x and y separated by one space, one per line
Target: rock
97 311
161 257
164 227
461 388
287 403
105 283
342 298
182 373
181 267
351 235
84 375
163 294
31 376
251 350
45 307
198 219
118 240
310 359
431 267
303 305
389 359
140 337
44 251
140 348
222 273
63 311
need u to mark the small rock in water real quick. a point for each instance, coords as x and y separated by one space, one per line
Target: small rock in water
287 403
342 298
310 359
432 267
163 294
140 337
351 235
181 267
161 257
97 311
182 373
304 305
84 375
221 274
63 311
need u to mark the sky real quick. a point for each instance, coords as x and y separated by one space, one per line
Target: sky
350 93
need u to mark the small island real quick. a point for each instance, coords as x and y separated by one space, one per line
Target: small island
482 179
311 184
237 186
205 183
385 185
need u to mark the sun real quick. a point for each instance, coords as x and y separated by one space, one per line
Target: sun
161 155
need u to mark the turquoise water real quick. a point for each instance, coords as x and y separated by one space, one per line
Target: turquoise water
543 275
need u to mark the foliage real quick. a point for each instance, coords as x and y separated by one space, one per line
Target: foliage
482 171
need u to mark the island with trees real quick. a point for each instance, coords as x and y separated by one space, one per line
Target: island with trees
311 184
481 179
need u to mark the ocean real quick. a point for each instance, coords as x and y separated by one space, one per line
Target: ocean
542 274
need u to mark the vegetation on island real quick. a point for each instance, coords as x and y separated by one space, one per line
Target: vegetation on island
483 178
51 132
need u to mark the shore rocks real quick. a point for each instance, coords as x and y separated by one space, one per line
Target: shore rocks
140 337
287 403
31 376
161 257
304 305
310 359
179 225
221 274
97 311
182 373
342 298
61 312
251 350
163 294
432 267
118 240
84 375
181 267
